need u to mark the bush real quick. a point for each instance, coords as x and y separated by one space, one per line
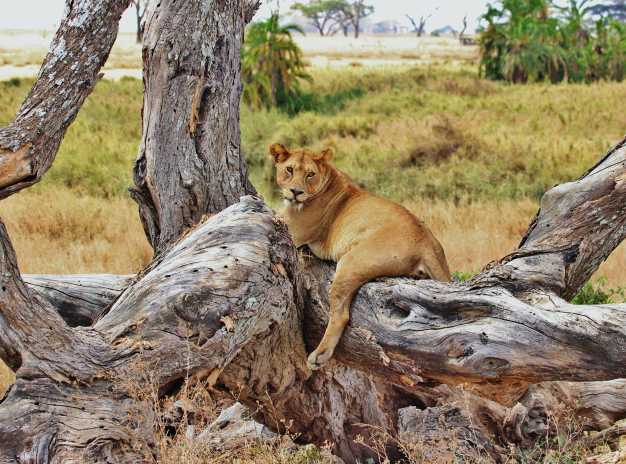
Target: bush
272 65
536 40
597 293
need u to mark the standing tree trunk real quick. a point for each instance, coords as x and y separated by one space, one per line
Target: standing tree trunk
229 298
190 162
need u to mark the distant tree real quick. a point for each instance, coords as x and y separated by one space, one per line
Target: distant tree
419 26
344 23
540 40
272 64
325 15
354 11
464 27
140 13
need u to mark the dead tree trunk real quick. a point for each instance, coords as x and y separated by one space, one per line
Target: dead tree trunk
140 12
229 298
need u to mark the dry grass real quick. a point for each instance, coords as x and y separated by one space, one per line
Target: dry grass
476 233
562 442
59 232
22 48
178 421
421 132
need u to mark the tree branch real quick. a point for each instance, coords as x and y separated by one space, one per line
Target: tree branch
411 332
68 75
577 227
79 299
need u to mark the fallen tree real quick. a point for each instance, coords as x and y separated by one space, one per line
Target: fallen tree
227 298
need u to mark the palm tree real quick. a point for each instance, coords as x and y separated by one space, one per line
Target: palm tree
272 64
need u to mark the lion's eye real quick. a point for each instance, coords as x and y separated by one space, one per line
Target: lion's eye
310 175
289 169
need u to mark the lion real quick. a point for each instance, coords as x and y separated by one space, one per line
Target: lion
366 235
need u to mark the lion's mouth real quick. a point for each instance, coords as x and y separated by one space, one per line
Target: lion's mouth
293 202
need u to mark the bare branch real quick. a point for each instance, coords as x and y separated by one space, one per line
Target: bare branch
79 299
68 75
578 225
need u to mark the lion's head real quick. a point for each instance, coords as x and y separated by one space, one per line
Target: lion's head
301 174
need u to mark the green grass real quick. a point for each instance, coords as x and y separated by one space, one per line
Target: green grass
99 148
408 133
592 293
402 132
411 134
597 293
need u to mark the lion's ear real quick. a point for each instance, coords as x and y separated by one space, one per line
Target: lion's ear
325 155
279 152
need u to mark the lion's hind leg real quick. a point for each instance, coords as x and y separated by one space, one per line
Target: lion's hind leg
434 268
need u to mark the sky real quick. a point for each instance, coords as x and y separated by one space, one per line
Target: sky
45 14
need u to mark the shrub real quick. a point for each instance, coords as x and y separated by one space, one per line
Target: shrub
272 65
597 293
537 40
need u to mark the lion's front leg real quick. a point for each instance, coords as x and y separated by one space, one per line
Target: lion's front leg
342 290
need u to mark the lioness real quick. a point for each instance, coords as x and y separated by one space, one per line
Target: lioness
366 235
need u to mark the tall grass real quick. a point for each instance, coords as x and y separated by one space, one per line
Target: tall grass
56 231
409 132
401 132
469 156
99 148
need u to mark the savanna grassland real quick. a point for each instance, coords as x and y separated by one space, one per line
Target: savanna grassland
469 156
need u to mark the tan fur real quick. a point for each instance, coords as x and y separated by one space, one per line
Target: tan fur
366 235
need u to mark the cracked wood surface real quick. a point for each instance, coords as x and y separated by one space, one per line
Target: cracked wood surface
80 298
173 322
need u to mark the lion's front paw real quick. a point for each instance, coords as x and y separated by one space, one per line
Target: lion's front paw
318 358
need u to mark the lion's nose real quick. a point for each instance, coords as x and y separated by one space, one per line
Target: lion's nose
295 192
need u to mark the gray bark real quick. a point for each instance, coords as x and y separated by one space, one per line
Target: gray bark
219 297
79 299
190 162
